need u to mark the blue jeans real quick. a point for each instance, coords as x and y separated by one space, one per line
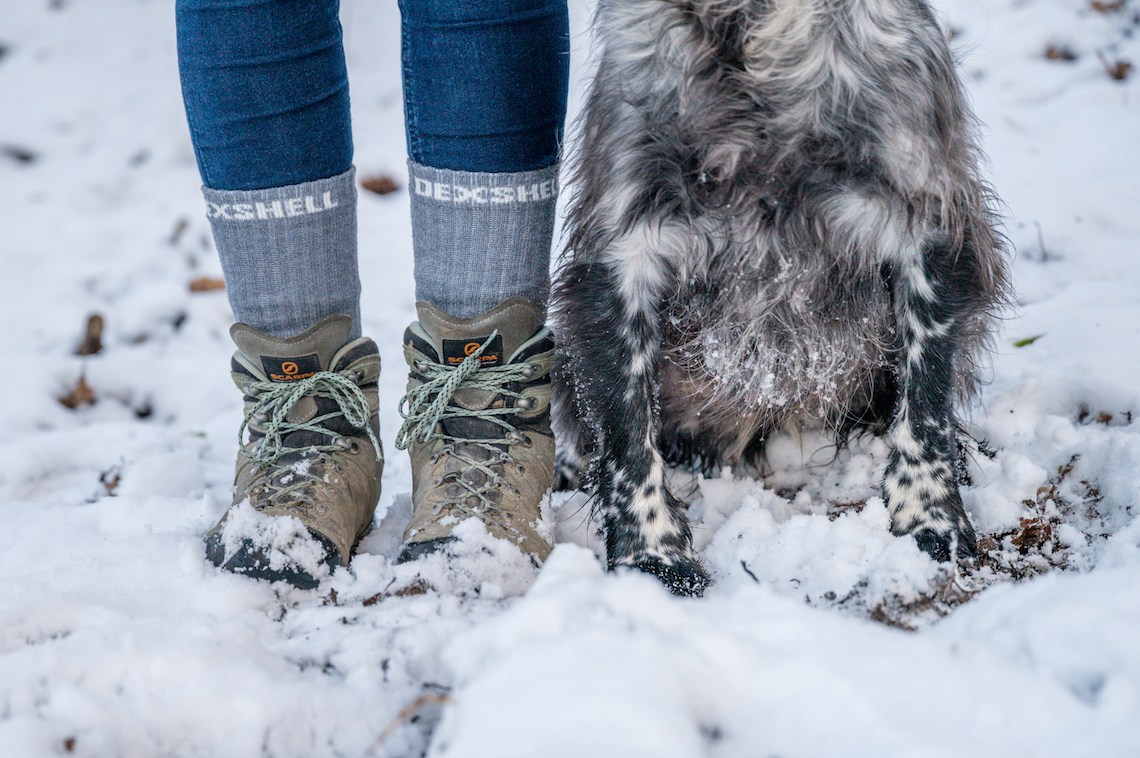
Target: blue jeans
266 90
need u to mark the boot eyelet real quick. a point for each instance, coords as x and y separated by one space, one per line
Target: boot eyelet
527 403
529 370
321 509
348 444
520 469
418 365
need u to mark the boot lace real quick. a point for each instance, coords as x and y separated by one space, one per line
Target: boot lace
274 400
425 406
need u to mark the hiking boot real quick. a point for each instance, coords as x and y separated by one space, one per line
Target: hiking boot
313 453
477 422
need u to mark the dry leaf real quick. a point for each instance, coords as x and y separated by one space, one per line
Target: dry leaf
110 480
381 185
1034 533
1103 7
418 587
1060 53
93 337
81 395
1118 70
207 284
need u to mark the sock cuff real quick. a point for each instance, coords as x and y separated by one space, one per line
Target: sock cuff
470 189
289 253
480 237
289 203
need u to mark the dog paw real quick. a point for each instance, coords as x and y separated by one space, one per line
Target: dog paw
683 577
940 545
924 501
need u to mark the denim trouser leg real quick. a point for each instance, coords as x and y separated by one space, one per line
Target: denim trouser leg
266 91
485 82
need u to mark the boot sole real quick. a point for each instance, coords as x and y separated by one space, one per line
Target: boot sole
415 550
249 560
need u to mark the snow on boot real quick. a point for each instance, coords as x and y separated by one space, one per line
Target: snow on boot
477 423
308 479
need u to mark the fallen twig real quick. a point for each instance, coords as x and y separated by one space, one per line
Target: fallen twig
428 698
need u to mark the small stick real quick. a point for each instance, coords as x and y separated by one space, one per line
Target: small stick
428 698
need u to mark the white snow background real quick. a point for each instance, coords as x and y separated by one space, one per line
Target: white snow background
823 635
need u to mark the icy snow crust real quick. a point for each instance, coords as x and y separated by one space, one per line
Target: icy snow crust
823 635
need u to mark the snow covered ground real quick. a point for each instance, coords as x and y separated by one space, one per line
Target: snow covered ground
823 636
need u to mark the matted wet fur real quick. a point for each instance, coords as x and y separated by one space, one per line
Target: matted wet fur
776 215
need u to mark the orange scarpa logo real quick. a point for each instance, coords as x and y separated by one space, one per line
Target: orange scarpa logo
470 349
290 376
291 370
457 351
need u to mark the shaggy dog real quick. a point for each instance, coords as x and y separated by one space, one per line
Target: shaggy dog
776 216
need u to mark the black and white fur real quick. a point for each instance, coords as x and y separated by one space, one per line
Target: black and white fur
777 215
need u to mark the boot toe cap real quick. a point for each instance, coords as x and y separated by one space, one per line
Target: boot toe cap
250 559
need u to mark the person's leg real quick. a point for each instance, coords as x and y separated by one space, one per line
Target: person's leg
485 99
266 96
485 85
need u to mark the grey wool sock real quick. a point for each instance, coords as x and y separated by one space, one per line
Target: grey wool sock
289 253
480 238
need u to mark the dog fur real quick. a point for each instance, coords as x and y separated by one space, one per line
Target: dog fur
776 216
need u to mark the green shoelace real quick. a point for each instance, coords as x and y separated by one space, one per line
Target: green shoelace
275 399
425 406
